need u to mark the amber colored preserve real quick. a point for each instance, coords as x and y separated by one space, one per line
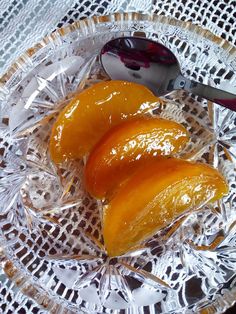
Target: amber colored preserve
93 112
155 195
126 149
127 146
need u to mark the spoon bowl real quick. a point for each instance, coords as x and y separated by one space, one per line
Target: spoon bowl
146 62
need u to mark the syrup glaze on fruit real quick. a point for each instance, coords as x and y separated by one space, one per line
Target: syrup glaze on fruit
93 112
154 196
128 146
145 191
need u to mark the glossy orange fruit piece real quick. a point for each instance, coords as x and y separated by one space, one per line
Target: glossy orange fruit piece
92 112
154 196
127 146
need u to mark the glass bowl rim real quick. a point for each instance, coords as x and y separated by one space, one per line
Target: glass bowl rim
88 26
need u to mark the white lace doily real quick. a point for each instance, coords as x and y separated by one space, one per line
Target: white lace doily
25 22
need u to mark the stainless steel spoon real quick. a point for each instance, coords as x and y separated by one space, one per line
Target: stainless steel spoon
149 63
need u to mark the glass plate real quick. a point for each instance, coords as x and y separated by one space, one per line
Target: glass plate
51 229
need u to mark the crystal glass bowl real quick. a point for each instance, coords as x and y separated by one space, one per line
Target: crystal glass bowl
50 228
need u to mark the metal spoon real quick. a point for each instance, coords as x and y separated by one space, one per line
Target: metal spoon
149 63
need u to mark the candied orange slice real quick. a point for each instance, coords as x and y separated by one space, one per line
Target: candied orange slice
125 147
92 112
155 195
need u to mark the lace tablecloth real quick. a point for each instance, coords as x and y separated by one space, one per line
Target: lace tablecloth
25 22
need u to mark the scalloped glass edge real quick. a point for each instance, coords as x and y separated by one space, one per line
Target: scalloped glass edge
87 27
23 65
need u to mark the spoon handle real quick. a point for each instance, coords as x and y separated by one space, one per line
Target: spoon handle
215 95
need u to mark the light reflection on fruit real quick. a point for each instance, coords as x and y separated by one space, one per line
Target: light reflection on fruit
155 195
93 112
127 146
